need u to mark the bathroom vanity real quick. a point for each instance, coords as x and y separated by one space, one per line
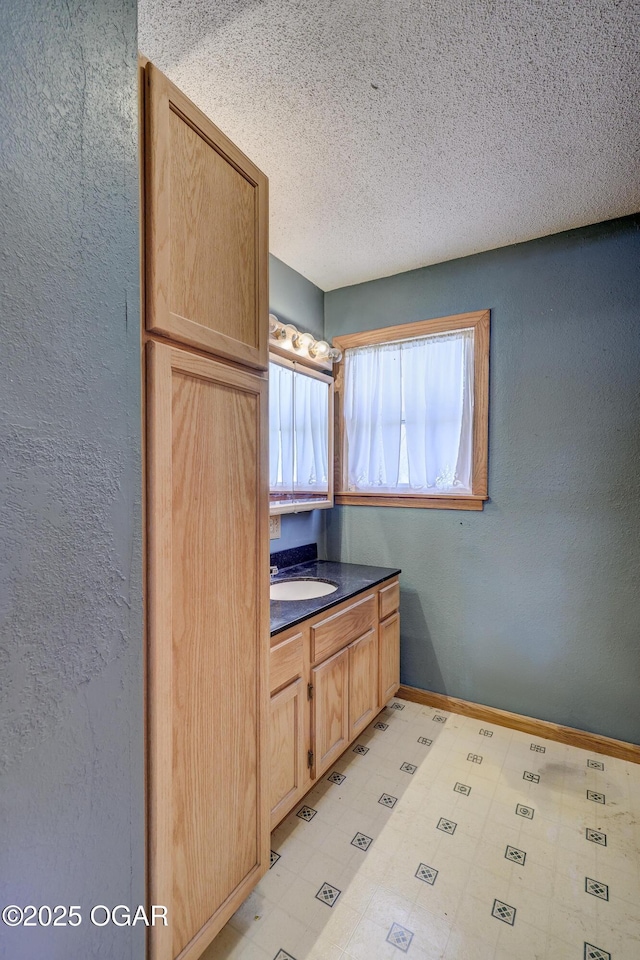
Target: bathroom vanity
334 663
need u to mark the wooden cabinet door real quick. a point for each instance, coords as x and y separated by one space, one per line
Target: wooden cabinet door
363 681
288 732
206 231
330 710
389 657
208 629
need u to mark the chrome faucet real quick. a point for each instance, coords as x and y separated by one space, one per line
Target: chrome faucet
273 571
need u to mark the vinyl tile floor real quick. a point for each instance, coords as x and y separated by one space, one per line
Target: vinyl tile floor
436 836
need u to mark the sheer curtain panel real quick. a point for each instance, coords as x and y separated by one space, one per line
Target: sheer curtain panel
311 469
298 432
408 411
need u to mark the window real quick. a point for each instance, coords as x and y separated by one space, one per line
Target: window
300 447
413 414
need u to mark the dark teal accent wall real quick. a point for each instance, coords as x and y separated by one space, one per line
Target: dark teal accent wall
71 684
294 299
532 605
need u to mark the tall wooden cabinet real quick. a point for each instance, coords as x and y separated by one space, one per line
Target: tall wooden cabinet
207 521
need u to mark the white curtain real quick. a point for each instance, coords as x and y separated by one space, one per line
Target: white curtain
409 415
280 428
298 431
311 411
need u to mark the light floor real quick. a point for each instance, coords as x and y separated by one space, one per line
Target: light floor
436 836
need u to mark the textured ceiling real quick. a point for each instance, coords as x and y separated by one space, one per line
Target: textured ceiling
398 133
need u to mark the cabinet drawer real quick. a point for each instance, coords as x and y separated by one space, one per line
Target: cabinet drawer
343 627
389 599
286 662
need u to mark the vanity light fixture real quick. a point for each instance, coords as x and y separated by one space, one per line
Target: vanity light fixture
288 336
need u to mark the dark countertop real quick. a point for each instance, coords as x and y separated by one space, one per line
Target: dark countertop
352 578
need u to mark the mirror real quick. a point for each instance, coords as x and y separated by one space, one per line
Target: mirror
300 437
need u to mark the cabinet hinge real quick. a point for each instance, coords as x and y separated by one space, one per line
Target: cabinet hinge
309 691
310 758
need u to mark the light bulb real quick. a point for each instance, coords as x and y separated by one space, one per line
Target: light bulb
320 349
334 355
304 342
276 329
290 332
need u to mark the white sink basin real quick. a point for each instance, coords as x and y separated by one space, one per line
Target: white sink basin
300 588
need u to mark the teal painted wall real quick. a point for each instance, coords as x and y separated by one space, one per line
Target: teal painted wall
532 605
71 680
294 299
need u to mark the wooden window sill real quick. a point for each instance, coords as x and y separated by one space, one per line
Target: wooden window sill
436 501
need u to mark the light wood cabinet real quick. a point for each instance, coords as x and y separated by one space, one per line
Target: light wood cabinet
330 709
363 681
346 662
206 476
206 226
388 599
289 769
389 657
207 659
343 626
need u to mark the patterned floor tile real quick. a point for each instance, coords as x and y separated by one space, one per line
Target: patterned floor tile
502 911
361 841
400 937
545 841
447 826
328 894
409 768
595 953
595 796
518 856
336 777
596 888
428 874
387 801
